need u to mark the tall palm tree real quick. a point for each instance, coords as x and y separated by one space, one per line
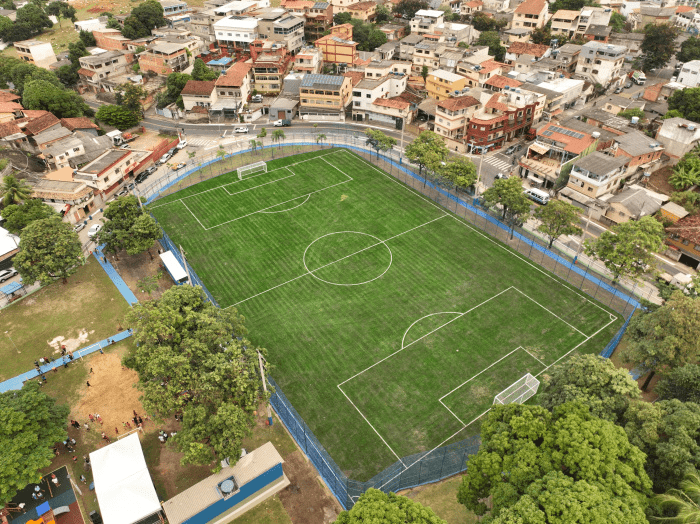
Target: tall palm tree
320 138
277 136
14 191
685 501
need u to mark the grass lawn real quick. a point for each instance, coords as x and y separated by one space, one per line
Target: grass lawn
88 303
441 497
381 311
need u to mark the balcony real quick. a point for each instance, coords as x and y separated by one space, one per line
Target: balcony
546 167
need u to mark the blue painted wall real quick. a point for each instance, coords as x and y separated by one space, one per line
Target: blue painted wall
216 509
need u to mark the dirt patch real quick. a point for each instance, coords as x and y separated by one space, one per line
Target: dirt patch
307 499
71 344
141 273
111 394
658 181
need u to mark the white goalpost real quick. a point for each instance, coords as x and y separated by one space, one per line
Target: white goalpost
257 167
519 391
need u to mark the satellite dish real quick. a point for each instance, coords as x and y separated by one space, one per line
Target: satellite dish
227 487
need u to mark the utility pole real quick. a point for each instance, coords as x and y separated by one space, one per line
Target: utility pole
583 237
264 382
478 175
187 268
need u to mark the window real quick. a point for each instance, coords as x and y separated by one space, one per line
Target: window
368 95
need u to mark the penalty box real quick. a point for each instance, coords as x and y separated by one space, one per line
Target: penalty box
449 366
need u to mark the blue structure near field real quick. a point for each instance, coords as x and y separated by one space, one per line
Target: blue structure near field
230 492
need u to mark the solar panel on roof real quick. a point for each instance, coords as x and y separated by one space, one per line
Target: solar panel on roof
547 133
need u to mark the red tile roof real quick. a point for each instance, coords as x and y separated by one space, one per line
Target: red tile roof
502 81
684 8
459 102
526 48
6 96
573 145
396 103
361 6
199 109
78 123
531 7
687 228
235 75
488 66
354 76
10 107
494 103
34 113
198 87
8 128
86 72
410 97
474 3
37 125
652 92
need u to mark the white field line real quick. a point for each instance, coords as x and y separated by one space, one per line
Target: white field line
371 426
195 216
464 223
237 181
548 311
426 316
335 261
533 356
426 335
261 185
285 210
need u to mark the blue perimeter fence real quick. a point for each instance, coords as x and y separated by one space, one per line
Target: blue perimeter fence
439 463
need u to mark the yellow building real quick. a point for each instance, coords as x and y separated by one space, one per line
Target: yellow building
324 94
365 11
443 84
337 50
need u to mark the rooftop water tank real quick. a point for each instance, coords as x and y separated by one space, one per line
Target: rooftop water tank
635 120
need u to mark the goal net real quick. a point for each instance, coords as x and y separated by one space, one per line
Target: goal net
257 167
519 391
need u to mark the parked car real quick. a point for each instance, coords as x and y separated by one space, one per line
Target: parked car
256 98
79 226
151 170
282 123
94 229
519 147
141 177
164 158
618 90
131 186
500 176
510 150
126 146
628 85
179 165
241 130
7 274
182 144
123 191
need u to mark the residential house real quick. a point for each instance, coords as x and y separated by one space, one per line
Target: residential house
109 170
678 136
641 151
425 21
238 8
279 26
110 40
530 15
73 199
683 237
393 32
478 69
673 212
441 84
595 175
553 150
615 104
427 54
232 92
35 52
325 95
337 50
656 15
91 24
95 70
387 67
453 115
10 111
198 93
687 20
365 11
590 18
497 5
600 63
529 51
565 22
406 45
12 136
174 8
632 203
567 56
164 58
308 60
318 16
499 83
201 23
236 32
632 41
690 74
58 153
471 8
368 90
269 71
395 111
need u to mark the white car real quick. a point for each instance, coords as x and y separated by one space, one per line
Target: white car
241 130
94 229
79 226
7 274
182 144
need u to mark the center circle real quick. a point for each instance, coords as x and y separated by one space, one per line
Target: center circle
352 258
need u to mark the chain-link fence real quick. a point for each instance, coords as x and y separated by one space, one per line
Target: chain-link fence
562 260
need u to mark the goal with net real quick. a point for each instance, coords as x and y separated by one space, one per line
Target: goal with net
519 391
257 167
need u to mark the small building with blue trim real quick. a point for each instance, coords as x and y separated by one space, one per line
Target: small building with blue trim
230 492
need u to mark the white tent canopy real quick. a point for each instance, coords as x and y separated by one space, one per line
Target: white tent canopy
123 484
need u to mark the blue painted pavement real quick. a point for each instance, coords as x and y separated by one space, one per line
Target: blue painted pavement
115 277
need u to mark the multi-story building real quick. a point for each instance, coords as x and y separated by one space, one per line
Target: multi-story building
442 84
109 170
318 16
387 67
565 22
337 50
369 90
111 40
567 55
479 69
426 21
232 92
365 11
554 149
592 17
531 14
690 74
269 71
202 22
96 69
452 116
470 8
173 8
325 94
530 51
58 190
684 238
678 136
35 52
236 32
640 150
596 174
199 93
164 58
308 60
427 54
601 63
393 32
279 26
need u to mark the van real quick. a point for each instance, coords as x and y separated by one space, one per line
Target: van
537 195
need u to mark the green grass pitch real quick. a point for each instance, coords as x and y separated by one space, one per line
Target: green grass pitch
391 323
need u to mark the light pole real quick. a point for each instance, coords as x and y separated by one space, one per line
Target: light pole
583 237
13 342
478 175
264 382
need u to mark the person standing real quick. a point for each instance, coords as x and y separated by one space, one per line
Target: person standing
88 383
83 479
54 479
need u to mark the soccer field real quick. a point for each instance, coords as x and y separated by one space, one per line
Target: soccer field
390 322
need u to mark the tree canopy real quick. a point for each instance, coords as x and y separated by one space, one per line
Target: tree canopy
61 10
192 358
427 150
668 431
408 8
49 249
367 36
144 17
682 503
571 5
508 193
130 96
30 423
690 50
628 249
585 460
687 102
658 46
482 22
128 227
14 191
493 41
201 71
17 217
592 380
174 85
375 507
461 172
40 94
118 116
558 218
682 383
617 22
379 141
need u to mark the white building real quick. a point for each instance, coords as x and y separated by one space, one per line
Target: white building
35 52
426 20
570 88
236 31
368 90
240 7
690 74
601 63
93 24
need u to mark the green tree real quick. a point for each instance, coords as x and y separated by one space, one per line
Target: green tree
113 23
278 136
367 36
424 72
522 444
461 172
87 38
49 249
687 102
34 17
665 338
674 113
342 18
542 35
174 85
40 94
117 116
571 5
130 97
56 9
254 145
617 22
382 14
378 141
668 432
558 218
262 133
30 423
683 177
14 191
682 383
482 22
508 193
375 507
428 149
595 381
186 344
145 17
683 502
128 227
628 249
408 8
658 45
493 41
17 217
690 50
201 71
629 113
